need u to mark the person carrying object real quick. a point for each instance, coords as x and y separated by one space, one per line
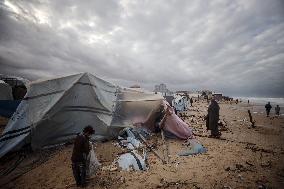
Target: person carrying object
81 150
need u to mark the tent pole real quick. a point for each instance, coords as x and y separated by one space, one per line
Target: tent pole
165 147
145 142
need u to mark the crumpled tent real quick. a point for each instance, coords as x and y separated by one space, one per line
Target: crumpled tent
7 104
54 111
175 125
5 91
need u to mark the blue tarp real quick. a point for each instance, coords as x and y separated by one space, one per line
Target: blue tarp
194 148
8 107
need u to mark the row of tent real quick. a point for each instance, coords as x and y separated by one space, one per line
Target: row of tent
54 111
5 91
12 90
180 103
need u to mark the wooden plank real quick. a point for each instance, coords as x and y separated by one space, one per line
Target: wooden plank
251 120
165 147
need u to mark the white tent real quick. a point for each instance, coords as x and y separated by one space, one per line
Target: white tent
54 111
5 91
180 103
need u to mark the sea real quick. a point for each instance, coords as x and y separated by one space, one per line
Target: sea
258 103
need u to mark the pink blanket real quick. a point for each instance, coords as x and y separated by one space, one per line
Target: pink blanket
175 125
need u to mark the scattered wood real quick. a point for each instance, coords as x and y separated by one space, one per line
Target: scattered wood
251 120
165 147
250 164
257 149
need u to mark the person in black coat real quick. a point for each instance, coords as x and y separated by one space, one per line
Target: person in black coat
268 108
212 118
191 101
277 110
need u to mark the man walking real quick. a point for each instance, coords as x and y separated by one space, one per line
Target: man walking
81 150
268 108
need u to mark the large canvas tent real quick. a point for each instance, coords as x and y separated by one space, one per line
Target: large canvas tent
54 111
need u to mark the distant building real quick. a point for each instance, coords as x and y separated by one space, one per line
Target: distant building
162 88
135 86
183 92
206 92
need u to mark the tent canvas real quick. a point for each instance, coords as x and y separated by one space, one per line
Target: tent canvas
176 125
7 105
54 111
5 91
180 103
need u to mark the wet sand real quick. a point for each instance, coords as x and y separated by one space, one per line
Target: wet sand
244 157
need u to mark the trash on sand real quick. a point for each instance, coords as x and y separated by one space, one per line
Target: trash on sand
128 140
194 148
240 177
132 161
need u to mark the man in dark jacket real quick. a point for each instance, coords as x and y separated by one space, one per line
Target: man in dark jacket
268 108
81 150
277 110
191 101
213 118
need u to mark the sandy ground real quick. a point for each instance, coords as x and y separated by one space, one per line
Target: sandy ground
244 157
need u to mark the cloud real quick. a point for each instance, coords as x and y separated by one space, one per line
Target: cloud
236 47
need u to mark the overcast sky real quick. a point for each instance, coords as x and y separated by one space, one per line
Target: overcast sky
234 47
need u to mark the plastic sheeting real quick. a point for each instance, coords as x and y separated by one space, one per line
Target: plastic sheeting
180 103
93 163
134 107
132 160
175 125
130 143
194 148
54 111
129 137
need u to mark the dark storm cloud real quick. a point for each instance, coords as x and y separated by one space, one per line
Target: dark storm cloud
236 47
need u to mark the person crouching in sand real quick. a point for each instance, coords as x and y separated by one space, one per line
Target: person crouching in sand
81 150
